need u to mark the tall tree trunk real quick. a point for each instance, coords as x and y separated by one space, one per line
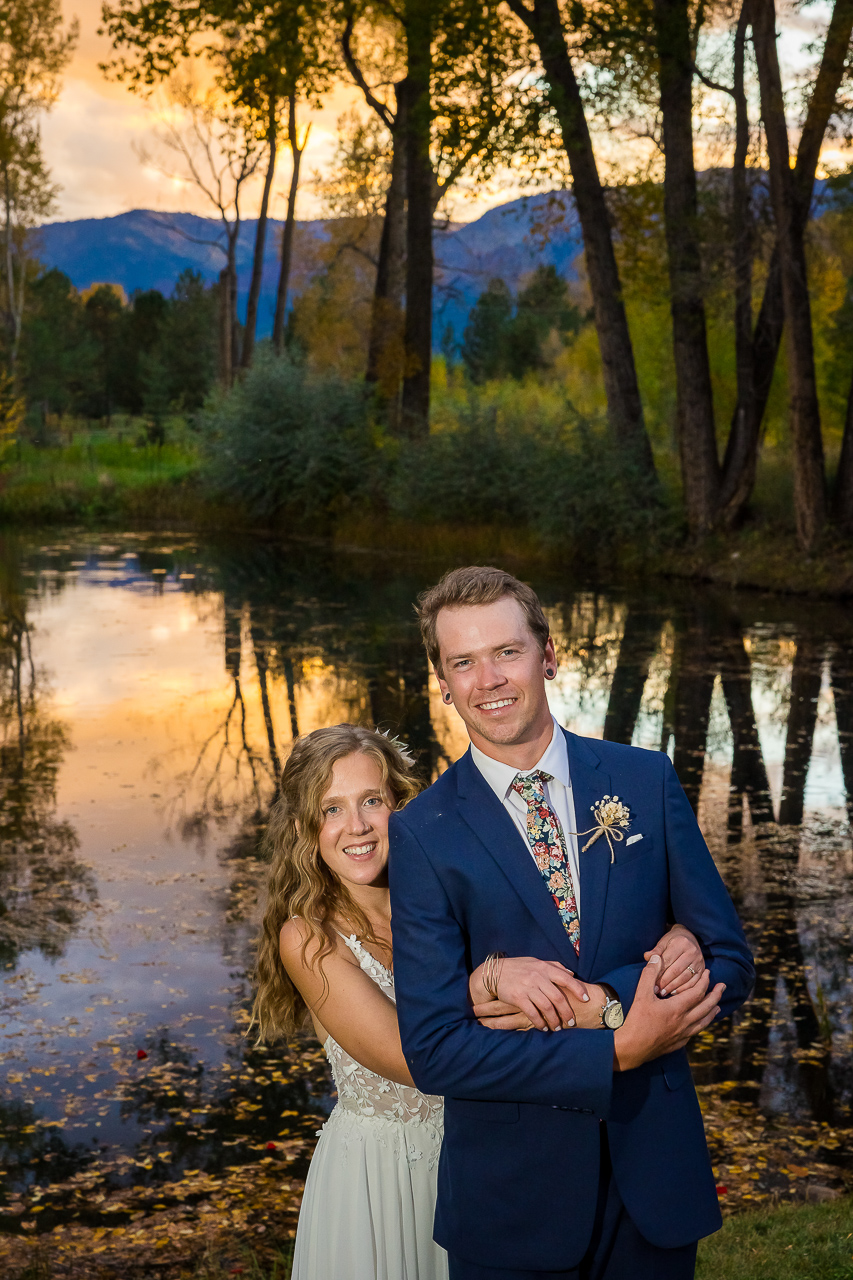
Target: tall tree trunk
809 476
385 346
14 289
228 340
700 468
419 248
226 370
624 406
770 323
289 223
843 492
384 360
741 448
260 244
233 328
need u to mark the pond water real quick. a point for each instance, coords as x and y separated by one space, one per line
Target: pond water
149 688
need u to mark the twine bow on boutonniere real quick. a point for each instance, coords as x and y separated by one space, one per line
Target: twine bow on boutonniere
612 820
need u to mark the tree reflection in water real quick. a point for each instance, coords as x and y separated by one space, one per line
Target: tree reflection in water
44 889
780 1049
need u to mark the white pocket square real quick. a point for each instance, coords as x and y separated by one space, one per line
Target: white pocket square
632 840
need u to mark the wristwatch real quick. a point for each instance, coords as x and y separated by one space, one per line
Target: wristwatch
612 1014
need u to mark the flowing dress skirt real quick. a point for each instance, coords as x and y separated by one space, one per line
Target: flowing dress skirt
367 1212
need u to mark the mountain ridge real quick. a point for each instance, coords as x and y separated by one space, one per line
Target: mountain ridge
148 249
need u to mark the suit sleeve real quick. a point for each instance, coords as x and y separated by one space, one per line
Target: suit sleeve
447 1050
700 900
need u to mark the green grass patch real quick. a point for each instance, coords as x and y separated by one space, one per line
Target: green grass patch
792 1242
100 477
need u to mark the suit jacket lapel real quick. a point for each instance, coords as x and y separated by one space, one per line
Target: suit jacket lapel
492 825
589 784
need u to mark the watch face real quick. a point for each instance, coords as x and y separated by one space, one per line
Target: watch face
614 1016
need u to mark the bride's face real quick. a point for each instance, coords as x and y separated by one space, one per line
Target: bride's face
355 813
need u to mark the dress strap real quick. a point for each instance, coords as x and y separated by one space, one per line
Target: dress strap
374 968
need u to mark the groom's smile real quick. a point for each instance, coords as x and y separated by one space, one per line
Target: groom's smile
494 669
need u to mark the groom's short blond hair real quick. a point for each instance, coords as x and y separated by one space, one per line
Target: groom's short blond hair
476 585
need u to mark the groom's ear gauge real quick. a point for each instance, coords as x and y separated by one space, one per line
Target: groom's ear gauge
447 698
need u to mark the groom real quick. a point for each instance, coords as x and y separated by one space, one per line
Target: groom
577 1154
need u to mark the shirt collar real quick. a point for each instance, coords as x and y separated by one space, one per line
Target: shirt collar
500 777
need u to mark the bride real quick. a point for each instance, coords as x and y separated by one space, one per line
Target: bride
326 953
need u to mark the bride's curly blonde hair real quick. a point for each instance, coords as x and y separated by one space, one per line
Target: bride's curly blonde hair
299 883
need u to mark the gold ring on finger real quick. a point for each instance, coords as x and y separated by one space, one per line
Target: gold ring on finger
692 970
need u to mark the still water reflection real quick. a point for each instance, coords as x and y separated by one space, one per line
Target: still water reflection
149 689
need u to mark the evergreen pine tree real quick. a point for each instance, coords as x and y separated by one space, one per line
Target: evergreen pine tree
484 342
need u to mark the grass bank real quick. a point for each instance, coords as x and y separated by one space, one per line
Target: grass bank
792 1242
101 479
758 558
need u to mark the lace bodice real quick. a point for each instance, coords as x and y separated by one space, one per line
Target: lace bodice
363 1091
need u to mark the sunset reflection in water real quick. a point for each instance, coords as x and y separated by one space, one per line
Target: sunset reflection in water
151 689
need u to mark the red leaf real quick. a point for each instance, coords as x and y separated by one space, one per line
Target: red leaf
271 1146
140 1054
722 1191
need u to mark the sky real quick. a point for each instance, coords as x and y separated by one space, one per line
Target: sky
91 135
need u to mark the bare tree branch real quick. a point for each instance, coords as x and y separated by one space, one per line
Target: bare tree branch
385 115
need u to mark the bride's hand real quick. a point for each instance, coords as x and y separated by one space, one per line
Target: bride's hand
502 1017
682 960
544 991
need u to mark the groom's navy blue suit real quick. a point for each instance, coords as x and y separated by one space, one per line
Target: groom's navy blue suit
519 1172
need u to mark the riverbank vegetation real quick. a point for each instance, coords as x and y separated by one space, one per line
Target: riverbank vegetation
648 378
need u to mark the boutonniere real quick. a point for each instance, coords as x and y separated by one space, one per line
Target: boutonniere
612 819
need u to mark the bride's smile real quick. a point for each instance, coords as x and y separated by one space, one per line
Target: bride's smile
354 832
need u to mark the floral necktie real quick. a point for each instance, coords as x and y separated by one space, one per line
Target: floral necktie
548 843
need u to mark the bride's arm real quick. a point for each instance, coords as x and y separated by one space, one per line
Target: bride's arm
535 993
348 1005
545 994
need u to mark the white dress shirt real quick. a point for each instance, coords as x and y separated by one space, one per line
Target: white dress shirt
558 793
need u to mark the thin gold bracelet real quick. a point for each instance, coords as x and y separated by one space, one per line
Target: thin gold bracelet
491 972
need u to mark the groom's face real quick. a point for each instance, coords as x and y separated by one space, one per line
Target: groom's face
494 671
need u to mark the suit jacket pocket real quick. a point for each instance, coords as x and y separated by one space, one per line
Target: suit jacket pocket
474 1112
640 849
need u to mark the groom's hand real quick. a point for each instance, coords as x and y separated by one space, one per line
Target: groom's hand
654 1027
544 992
499 1016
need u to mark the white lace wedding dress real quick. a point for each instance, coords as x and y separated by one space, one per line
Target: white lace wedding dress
369 1197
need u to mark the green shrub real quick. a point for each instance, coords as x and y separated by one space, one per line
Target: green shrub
566 482
286 439
291 440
